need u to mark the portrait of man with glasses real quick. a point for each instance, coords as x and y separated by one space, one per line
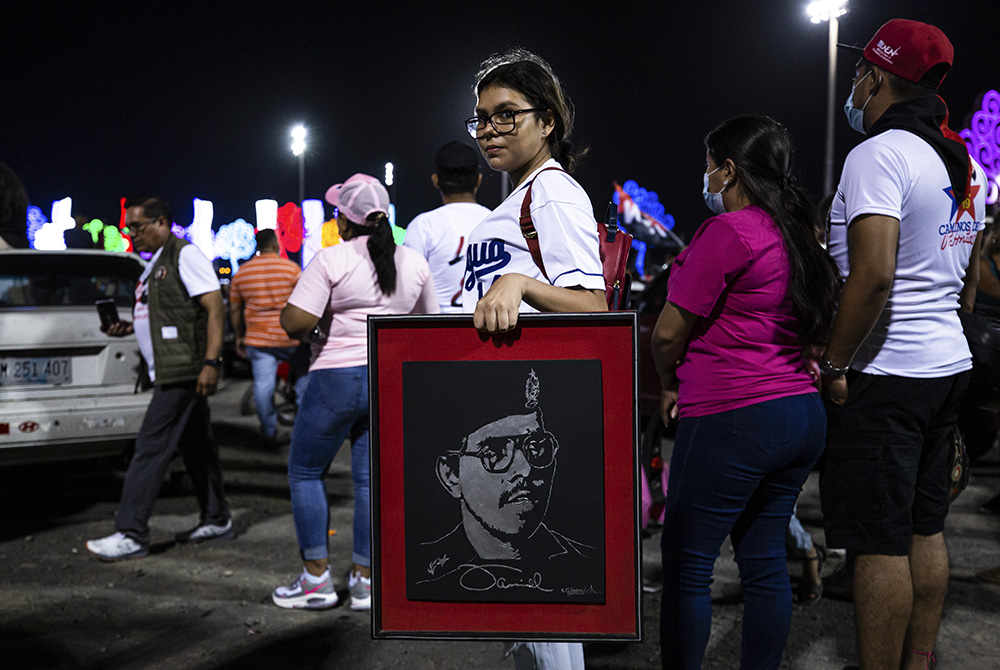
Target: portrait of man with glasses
495 466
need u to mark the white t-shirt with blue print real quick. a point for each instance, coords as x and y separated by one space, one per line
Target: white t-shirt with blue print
567 238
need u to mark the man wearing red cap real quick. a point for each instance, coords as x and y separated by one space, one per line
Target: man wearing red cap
905 231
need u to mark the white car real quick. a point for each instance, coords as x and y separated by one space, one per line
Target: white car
67 390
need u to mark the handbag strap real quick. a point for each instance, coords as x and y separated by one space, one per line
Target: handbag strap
528 226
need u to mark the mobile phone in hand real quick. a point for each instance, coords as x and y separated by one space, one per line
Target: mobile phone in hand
108 311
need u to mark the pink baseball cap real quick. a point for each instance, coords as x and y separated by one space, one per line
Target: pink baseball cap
360 196
917 52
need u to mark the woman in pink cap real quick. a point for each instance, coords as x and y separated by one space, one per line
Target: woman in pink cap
365 274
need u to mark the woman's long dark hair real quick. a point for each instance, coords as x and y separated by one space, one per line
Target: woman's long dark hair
762 151
528 74
381 247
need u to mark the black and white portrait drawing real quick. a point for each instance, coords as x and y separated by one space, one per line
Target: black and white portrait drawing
504 481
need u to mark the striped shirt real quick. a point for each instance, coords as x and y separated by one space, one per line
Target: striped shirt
262 285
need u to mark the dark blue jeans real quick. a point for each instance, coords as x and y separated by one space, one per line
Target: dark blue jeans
735 473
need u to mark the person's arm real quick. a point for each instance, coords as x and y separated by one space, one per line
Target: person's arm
670 338
973 278
211 302
497 311
297 322
872 241
239 327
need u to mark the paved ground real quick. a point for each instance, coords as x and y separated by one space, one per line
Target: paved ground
208 607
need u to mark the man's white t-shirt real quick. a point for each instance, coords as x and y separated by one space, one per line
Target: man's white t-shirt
440 236
567 238
898 174
198 277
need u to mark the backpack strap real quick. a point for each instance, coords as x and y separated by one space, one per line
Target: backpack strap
528 226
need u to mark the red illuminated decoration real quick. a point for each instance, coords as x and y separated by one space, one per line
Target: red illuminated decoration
290 228
121 225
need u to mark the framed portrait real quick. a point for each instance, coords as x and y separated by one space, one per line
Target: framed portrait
504 484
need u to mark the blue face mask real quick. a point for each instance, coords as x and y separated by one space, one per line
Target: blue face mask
713 200
856 117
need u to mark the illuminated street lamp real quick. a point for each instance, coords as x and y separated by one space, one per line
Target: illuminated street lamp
299 149
819 11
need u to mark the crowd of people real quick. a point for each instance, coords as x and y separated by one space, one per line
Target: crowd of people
782 347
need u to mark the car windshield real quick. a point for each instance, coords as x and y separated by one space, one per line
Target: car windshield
44 280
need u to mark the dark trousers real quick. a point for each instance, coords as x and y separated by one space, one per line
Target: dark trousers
177 418
735 473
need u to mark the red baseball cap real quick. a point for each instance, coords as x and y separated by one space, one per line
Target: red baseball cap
917 52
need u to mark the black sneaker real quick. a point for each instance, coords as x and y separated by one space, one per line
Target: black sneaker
207 531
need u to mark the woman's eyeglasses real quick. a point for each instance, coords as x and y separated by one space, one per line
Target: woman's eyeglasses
503 122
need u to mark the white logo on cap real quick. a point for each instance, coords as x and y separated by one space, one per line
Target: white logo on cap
885 51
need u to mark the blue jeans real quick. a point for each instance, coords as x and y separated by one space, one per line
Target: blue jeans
735 473
335 407
264 364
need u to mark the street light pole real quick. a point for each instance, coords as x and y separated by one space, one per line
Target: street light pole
831 106
829 10
299 149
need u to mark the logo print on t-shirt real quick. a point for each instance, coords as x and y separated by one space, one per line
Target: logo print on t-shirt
483 259
967 205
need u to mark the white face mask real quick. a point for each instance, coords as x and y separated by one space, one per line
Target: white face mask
713 200
856 117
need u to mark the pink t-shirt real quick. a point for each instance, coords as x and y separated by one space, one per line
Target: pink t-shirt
339 285
743 350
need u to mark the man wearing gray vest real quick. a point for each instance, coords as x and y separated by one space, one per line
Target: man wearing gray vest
177 319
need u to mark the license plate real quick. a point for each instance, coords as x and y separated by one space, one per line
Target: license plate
42 370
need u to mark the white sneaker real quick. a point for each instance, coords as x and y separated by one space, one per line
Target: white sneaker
305 594
206 531
361 591
117 547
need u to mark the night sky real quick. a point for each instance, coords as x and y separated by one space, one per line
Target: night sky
190 99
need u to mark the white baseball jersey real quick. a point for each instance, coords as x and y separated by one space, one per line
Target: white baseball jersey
440 236
898 174
567 238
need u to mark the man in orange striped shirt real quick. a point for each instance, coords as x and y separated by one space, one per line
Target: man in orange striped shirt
258 292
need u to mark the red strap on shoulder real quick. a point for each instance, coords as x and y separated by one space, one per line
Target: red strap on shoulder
528 226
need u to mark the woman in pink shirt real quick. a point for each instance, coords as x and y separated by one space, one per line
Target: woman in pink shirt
752 292
365 274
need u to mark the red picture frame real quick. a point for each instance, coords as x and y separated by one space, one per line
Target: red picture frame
398 343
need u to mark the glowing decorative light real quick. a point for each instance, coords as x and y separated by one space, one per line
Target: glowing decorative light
233 242
289 228
50 236
298 140
983 140
388 174
824 10
331 234
114 240
200 231
312 215
36 219
642 211
640 256
267 214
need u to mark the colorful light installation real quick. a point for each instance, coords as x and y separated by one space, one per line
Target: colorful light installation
289 228
983 140
267 214
312 216
234 242
642 211
49 236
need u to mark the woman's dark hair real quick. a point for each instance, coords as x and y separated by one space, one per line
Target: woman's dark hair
381 247
762 151
528 74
